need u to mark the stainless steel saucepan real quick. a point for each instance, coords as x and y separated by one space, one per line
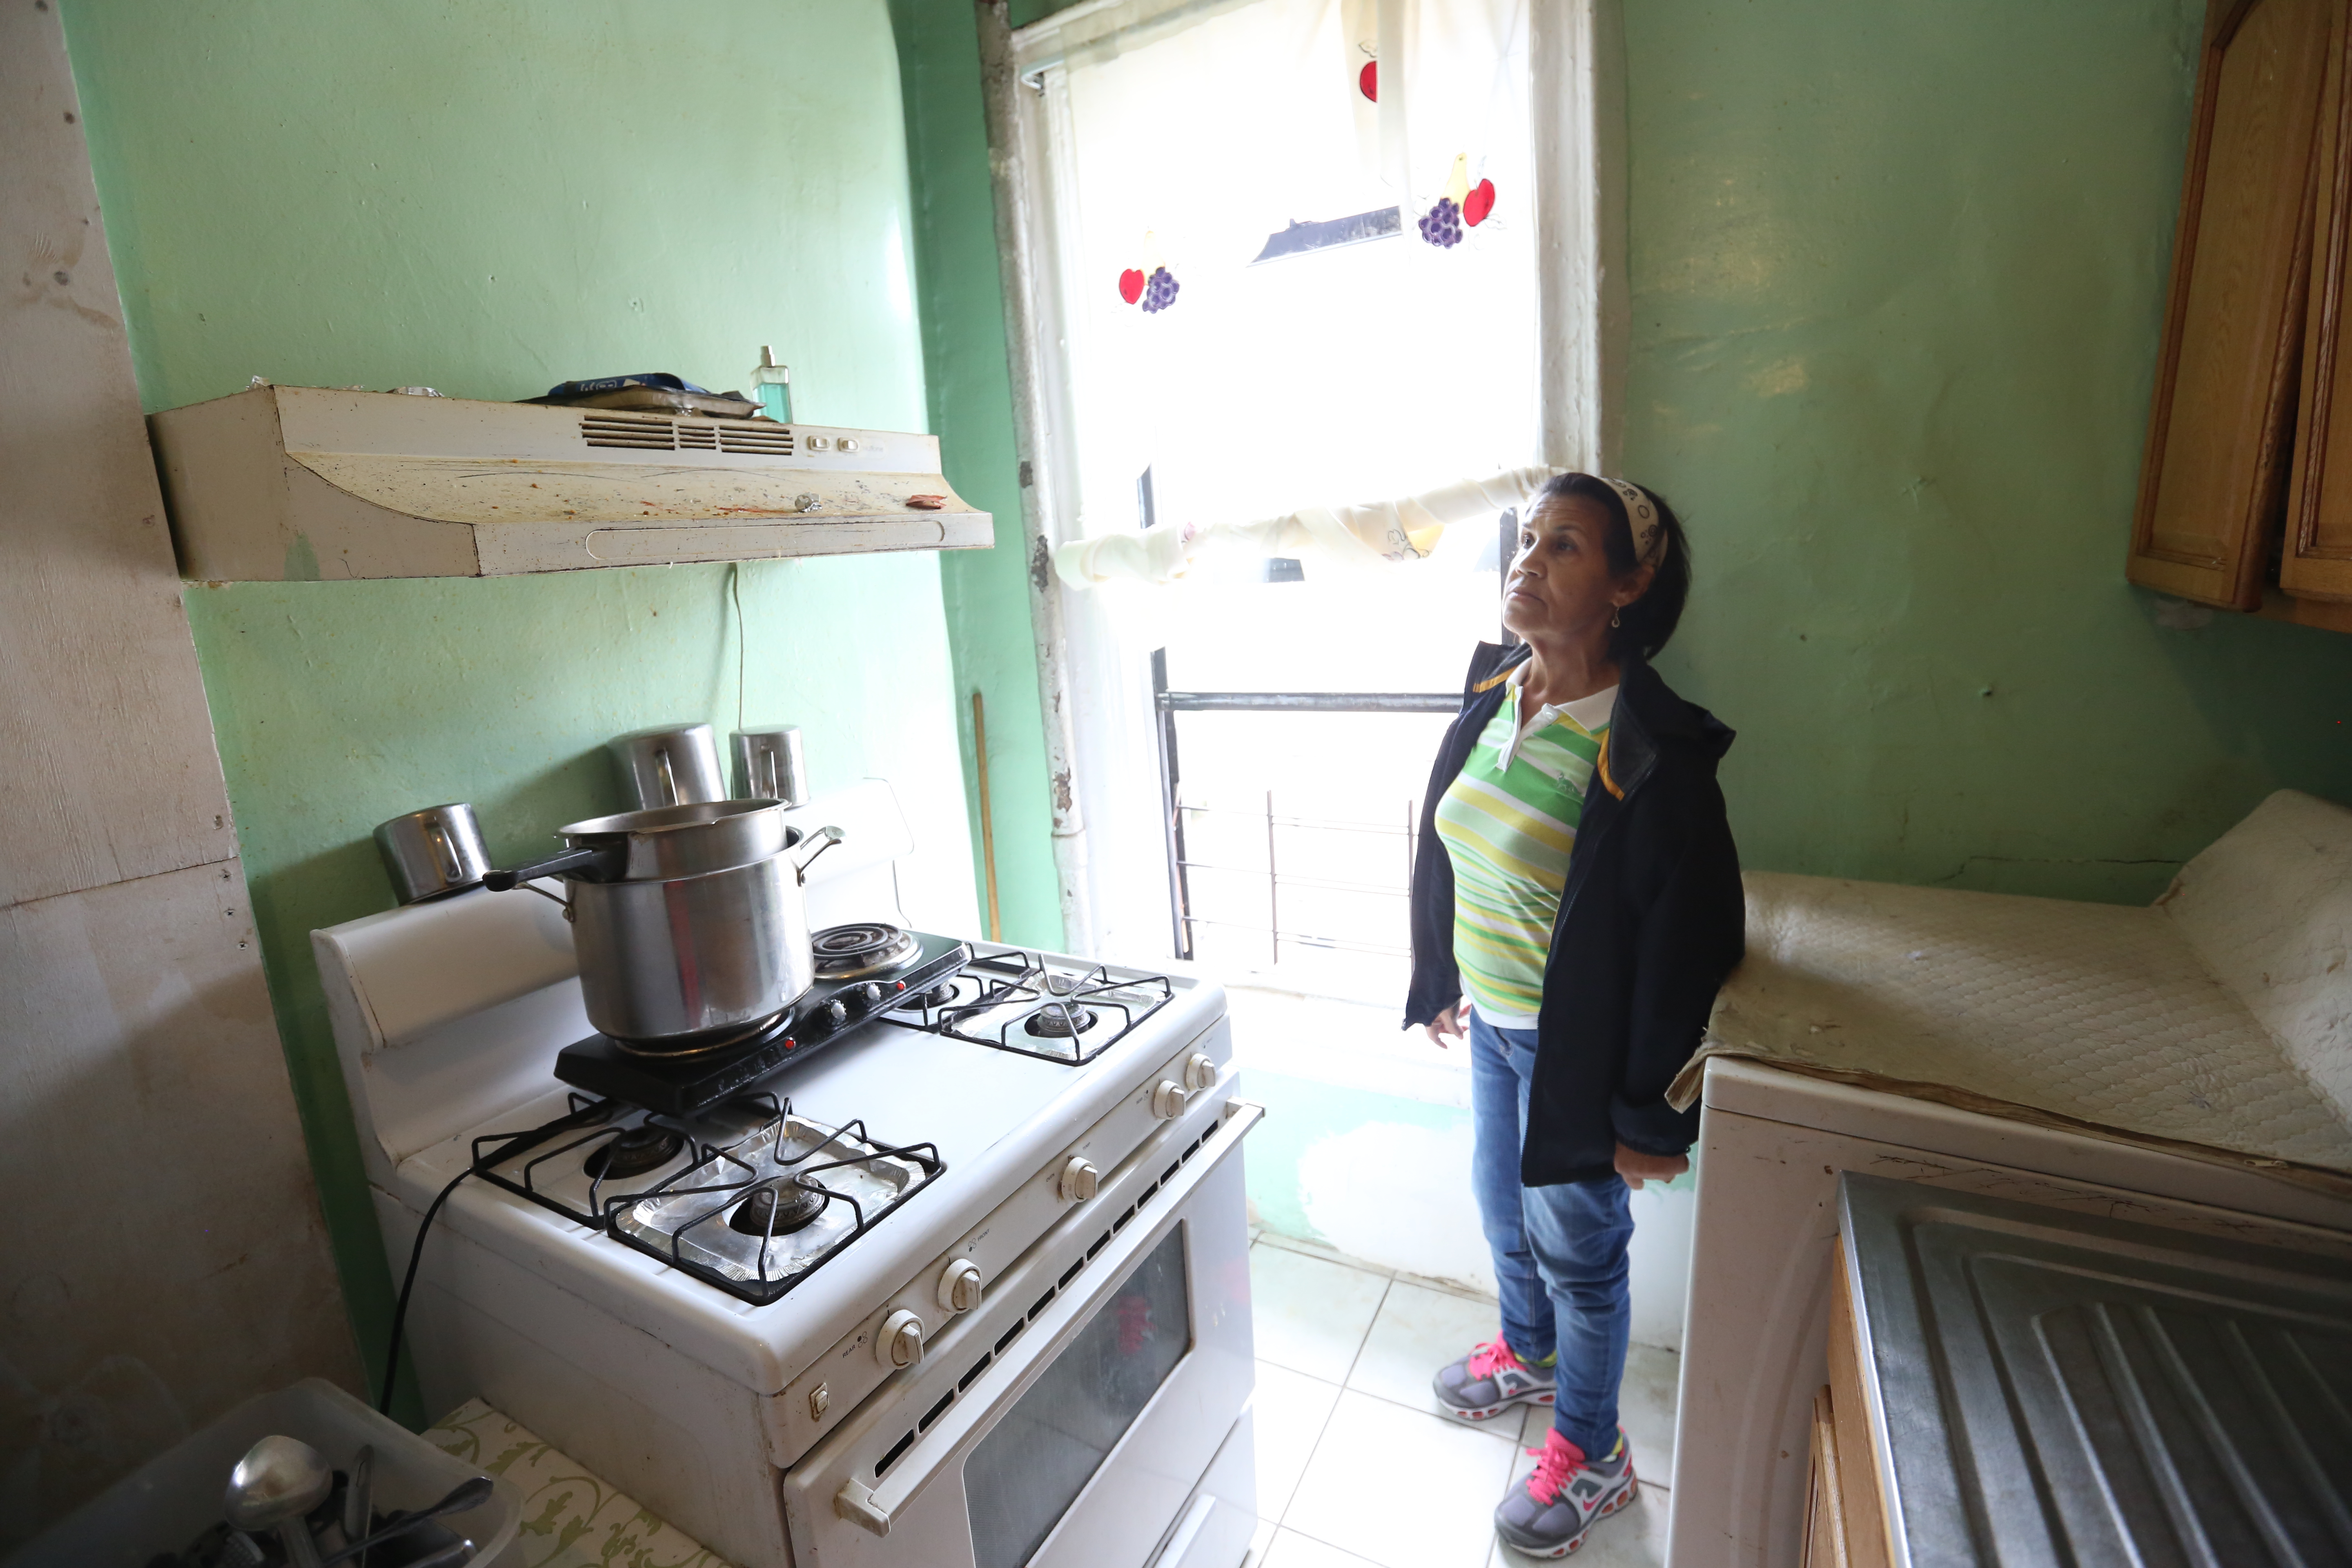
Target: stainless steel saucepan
689 921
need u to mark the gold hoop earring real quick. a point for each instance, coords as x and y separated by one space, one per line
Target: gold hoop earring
1613 615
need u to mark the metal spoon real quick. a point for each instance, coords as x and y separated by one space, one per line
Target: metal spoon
357 1514
466 1494
279 1480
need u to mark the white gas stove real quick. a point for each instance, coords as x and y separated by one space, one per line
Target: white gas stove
970 1286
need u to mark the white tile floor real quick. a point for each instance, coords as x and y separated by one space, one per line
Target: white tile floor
1356 1468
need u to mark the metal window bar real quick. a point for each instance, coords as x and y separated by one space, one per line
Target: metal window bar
1168 704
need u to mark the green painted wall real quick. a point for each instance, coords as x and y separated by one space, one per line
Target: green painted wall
1896 272
487 197
987 594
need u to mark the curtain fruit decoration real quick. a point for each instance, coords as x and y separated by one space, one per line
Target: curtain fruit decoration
1367 81
1151 283
1441 225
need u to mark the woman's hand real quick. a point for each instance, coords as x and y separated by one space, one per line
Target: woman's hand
1452 1021
1637 1167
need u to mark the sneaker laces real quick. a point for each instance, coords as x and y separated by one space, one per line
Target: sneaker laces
1555 1462
1492 1356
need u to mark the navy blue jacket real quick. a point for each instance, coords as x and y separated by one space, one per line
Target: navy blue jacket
1650 922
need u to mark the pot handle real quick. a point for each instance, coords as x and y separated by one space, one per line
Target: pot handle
602 864
818 841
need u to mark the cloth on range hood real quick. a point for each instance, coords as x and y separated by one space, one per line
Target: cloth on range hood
1341 538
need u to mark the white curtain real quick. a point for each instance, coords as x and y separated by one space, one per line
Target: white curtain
1259 402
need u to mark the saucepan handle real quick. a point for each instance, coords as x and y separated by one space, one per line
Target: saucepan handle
600 864
818 841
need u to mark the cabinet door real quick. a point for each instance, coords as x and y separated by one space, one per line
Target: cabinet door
2316 551
2226 384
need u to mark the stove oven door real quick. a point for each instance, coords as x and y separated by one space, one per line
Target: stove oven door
1065 1422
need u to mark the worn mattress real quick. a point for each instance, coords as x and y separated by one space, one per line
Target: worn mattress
2217 1022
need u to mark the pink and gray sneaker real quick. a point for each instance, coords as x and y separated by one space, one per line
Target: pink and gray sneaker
1489 1381
1550 1512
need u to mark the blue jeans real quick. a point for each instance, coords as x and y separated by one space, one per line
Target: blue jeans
1560 1252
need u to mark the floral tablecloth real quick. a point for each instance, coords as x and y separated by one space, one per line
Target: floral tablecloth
570 1518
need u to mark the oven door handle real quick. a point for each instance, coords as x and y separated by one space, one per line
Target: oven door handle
871 1507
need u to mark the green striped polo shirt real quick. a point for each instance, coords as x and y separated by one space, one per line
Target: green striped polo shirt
1508 822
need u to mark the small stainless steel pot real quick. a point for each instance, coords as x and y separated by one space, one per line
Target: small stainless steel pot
431 852
771 766
675 765
687 921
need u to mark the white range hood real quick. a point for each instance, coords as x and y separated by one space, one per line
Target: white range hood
298 483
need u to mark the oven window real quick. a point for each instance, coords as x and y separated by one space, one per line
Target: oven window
1033 1464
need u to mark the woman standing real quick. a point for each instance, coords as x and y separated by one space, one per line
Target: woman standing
1576 903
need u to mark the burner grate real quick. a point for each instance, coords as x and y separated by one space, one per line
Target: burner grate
751 1239
577 1175
756 1208
1012 1000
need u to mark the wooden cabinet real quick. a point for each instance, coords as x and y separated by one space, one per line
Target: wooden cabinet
2316 544
2243 450
1845 1513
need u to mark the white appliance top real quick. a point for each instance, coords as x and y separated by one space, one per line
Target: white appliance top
448 1017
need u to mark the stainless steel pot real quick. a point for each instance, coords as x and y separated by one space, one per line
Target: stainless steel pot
431 852
689 921
770 765
676 766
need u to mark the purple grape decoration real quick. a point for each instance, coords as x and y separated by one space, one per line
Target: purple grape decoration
1442 225
1159 292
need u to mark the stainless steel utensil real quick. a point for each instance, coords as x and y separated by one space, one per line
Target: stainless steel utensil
468 1494
771 766
279 1480
681 931
358 1512
675 765
431 852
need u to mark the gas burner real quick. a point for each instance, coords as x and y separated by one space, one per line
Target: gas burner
778 1210
1057 1009
822 1186
1060 1022
636 1150
856 951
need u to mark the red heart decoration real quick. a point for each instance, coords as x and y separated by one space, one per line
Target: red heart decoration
1367 81
1478 203
1130 285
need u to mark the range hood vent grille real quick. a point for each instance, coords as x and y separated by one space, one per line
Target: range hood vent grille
644 435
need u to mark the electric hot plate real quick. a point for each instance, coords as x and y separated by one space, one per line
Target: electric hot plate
702 1074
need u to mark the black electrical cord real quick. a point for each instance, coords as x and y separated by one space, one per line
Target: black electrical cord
400 1313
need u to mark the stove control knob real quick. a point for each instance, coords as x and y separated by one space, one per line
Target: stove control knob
838 1011
1168 1099
1200 1070
960 1286
869 997
900 1342
1079 1179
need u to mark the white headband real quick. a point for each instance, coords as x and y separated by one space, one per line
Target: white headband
1648 520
